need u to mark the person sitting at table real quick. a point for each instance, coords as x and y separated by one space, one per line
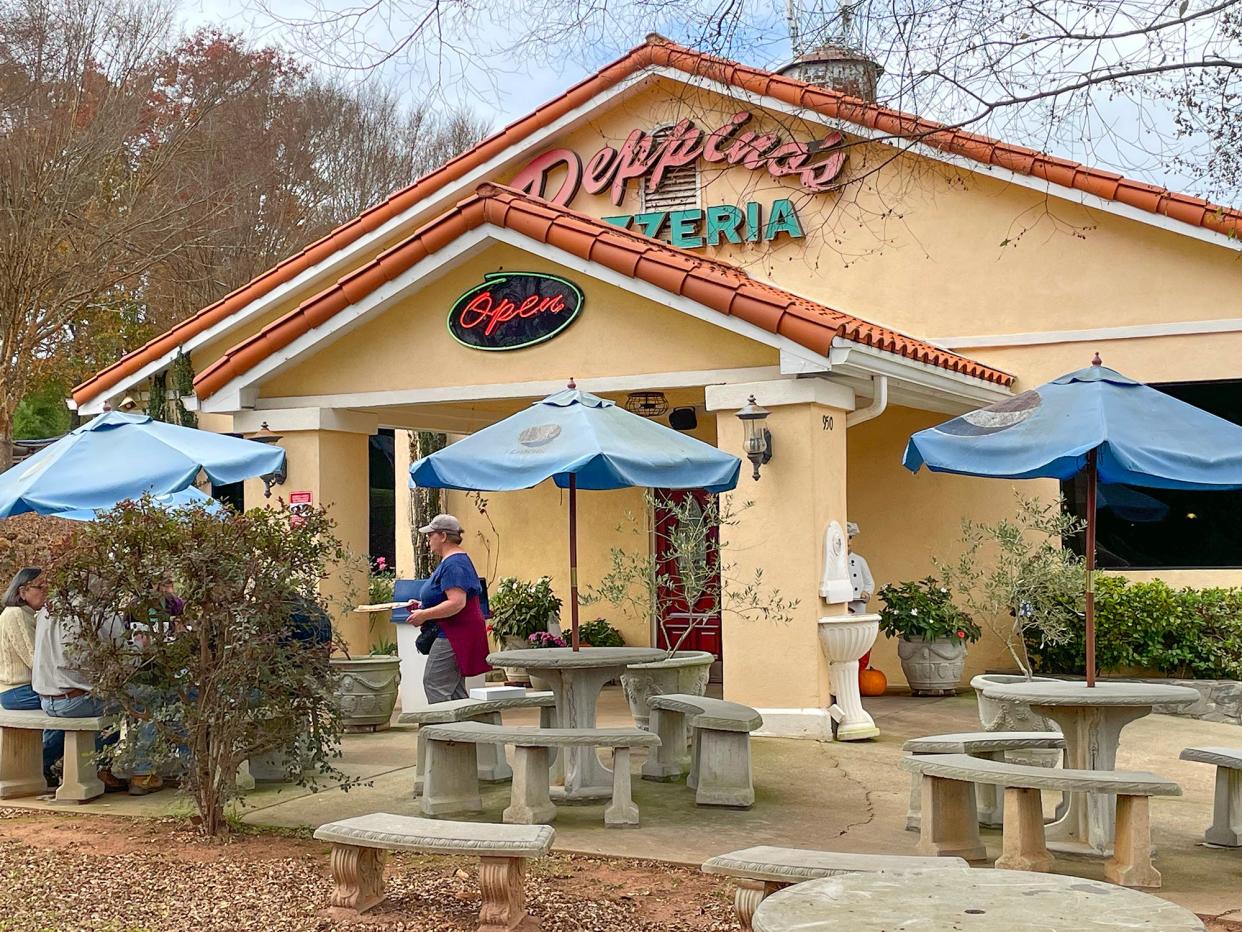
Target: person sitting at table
24 599
451 599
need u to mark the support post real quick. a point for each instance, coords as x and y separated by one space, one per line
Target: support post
504 898
359 877
1130 865
1023 845
950 823
530 803
621 812
80 781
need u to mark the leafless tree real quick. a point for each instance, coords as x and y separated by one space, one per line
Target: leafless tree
1145 86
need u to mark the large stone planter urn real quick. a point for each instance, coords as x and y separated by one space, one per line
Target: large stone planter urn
685 672
516 676
367 691
932 668
1008 714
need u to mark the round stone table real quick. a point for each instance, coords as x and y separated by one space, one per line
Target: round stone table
1091 718
576 678
954 898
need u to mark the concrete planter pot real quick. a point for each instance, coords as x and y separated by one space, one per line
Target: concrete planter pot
1007 715
367 691
516 675
932 668
685 672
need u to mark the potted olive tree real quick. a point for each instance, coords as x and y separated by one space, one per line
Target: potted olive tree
1021 580
687 578
520 609
932 631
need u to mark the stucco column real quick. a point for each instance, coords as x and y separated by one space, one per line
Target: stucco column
326 454
777 667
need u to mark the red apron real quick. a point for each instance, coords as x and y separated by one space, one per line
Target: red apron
467 635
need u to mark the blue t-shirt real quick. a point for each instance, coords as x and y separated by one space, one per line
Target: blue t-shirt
454 572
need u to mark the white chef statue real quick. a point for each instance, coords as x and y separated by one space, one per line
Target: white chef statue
860 574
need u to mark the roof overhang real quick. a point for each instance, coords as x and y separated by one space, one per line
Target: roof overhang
310 279
912 382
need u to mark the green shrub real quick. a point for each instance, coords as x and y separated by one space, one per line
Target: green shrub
1189 633
924 610
519 609
599 633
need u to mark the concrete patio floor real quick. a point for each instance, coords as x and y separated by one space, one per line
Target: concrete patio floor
844 797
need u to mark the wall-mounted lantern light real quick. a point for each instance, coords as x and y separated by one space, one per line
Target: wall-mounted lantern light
266 435
757 439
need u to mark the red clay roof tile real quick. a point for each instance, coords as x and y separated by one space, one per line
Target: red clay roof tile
657 51
711 283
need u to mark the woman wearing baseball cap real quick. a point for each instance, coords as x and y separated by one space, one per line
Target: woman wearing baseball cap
451 599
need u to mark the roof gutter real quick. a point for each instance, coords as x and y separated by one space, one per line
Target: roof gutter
879 402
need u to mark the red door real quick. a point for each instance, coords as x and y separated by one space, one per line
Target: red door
696 575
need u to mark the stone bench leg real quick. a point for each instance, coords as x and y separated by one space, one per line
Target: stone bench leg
1130 865
547 719
359 877
80 781
245 779
989 798
493 768
724 769
1023 844
669 761
530 803
747 897
451 783
504 897
950 823
1226 827
621 812
696 741
21 763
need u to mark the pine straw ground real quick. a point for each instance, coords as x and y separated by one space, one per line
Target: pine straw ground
112 874
70 872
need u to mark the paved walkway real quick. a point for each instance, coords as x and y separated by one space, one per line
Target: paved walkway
847 797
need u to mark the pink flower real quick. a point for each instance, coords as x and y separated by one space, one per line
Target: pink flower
381 563
961 633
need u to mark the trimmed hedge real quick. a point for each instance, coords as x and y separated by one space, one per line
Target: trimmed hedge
1184 633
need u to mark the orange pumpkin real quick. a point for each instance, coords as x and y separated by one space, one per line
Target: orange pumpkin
872 682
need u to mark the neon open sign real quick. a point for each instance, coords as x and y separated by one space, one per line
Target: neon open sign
511 310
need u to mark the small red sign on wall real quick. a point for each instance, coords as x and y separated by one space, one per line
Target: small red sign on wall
301 498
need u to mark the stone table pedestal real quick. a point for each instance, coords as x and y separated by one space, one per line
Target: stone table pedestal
576 678
1091 718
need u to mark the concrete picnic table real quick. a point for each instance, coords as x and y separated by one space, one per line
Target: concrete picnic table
966 899
576 678
1091 718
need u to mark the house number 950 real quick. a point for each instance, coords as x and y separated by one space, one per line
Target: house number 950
827 421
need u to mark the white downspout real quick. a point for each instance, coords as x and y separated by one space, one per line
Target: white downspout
879 401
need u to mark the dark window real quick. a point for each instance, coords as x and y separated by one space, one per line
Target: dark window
383 542
1142 528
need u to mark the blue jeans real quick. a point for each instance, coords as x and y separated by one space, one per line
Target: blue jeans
78 707
24 699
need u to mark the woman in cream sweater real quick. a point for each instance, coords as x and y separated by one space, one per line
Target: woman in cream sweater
26 595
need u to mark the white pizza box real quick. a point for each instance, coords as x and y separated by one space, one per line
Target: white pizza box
498 692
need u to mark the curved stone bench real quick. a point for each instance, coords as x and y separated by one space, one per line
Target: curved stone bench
986 745
493 768
762 870
1226 827
951 827
21 755
718 768
360 847
452 783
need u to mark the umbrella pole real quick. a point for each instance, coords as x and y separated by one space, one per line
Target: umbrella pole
573 559
1091 492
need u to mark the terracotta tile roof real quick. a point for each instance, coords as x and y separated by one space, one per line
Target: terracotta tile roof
717 285
657 51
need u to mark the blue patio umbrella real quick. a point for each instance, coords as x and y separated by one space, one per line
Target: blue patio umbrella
1117 430
120 456
579 441
169 501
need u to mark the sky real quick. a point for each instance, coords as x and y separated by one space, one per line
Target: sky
500 89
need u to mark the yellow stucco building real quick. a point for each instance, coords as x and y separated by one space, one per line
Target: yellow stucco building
732 232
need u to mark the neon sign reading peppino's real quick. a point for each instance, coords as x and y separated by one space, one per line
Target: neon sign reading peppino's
817 164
